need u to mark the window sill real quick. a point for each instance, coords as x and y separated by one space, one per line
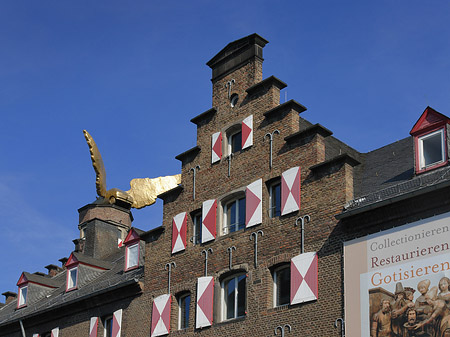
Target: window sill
279 308
231 320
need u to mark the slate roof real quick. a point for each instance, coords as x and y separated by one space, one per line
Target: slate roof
107 281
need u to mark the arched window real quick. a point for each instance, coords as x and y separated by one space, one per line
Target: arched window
234 296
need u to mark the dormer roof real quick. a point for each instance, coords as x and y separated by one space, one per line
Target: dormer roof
429 120
133 235
77 257
38 279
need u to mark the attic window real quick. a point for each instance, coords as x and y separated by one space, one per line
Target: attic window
431 149
132 256
72 278
22 299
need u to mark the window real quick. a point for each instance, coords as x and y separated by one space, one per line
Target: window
235 142
234 100
72 278
184 302
275 199
108 326
281 285
234 297
234 215
197 237
132 256
431 149
22 300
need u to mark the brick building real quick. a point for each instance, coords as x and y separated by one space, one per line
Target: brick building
272 215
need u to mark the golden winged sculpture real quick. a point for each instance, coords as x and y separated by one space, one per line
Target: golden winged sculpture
143 191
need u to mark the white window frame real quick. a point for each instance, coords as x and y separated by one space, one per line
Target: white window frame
197 223
276 285
22 300
421 150
229 134
236 297
105 326
135 264
69 285
226 204
271 191
180 310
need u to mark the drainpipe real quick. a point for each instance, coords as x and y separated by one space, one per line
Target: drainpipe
22 328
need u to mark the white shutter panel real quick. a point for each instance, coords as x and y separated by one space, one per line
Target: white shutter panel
179 226
290 190
93 327
253 204
216 147
209 210
161 315
247 132
117 323
205 296
35 335
304 278
55 332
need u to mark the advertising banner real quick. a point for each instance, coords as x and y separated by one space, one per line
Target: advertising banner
387 273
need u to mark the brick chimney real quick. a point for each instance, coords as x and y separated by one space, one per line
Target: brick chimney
53 270
9 296
63 261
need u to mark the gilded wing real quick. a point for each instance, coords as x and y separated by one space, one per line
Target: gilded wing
145 190
97 163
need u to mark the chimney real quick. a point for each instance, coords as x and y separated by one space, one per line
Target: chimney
39 273
79 244
9 296
63 261
53 270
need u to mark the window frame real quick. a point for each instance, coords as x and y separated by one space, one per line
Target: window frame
277 206
127 255
197 237
182 310
224 305
105 321
225 217
422 167
75 285
230 134
21 304
275 272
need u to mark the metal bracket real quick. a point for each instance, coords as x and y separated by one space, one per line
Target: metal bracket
281 328
230 255
168 266
276 131
255 234
194 169
342 325
228 85
302 222
205 251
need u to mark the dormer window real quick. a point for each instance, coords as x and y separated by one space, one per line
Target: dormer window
132 254
431 149
430 140
22 299
72 278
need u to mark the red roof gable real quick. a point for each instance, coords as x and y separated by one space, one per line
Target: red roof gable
131 236
72 260
429 119
23 279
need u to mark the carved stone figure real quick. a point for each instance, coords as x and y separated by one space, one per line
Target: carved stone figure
143 192
422 307
440 316
381 321
398 310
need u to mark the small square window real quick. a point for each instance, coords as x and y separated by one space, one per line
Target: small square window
107 326
275 199
235 142
197 220
184 302
234 216
132 256
234 297
281 285
72 278
431 149
22 300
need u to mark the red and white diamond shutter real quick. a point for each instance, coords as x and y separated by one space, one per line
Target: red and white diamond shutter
209 210
179 225
93 327
247 132
161 315
117 323
216 147
55 332
205 295
290 190
253 204
304 278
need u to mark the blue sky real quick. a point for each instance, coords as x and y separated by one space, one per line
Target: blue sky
133 74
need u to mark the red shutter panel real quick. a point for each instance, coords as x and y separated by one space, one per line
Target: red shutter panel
290 190
179 225
247 132
161 315
93 328
205 296
55 332
209 210
253 204
216 147
304 278
117 323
